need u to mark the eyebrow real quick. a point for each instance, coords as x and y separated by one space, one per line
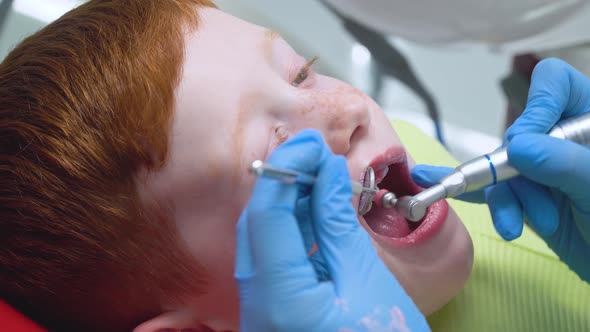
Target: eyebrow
270 37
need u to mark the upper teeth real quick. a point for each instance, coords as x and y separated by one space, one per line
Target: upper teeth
382 174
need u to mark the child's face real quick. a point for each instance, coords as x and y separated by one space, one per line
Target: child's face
235 104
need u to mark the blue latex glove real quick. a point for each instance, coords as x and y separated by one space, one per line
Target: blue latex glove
279 288
554 189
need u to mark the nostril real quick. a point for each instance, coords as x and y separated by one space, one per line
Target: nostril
357 135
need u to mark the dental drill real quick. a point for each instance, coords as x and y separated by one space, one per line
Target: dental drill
479 173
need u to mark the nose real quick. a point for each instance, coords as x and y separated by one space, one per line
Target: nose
342 116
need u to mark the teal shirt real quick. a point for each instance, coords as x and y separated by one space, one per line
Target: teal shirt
514 286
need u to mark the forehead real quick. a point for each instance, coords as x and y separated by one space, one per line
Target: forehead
222 57
222 41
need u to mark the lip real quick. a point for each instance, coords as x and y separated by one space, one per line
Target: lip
431 224
381 162
436 214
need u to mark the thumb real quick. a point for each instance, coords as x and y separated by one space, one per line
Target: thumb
244 268
340 237
427 176
555 163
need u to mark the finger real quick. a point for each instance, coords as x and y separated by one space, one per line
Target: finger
571 242
243 264
538 204
274 237
581 221
555 163
303 215
426 176
557 90
339 235
506 211
319 266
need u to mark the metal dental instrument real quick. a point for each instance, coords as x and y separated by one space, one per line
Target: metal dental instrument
367 190
480 172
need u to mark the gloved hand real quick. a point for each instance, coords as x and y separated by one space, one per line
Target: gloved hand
279 289
554 189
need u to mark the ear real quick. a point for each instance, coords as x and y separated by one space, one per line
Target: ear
172 321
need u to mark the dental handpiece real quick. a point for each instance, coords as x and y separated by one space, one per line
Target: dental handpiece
480 172
367 190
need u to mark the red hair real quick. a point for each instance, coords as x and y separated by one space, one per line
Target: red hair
85 105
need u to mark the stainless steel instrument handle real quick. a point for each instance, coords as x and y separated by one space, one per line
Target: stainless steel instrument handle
575 129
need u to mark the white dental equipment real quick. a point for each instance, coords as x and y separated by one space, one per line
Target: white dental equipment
516 25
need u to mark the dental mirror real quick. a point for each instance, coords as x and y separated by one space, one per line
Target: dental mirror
366 197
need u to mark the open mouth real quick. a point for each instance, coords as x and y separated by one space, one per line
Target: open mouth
392 173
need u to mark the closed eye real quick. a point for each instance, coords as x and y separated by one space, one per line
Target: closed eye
304 72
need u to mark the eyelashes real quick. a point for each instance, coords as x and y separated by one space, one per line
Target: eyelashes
280 132
304 72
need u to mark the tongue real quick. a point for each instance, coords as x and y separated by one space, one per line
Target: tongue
388 223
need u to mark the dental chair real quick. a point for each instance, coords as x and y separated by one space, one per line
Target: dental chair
13 321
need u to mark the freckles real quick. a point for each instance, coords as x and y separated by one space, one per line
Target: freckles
322 102
330 102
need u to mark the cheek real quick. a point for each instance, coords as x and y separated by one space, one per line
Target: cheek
461 251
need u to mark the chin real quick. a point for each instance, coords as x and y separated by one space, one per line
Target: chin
436 272
431 258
